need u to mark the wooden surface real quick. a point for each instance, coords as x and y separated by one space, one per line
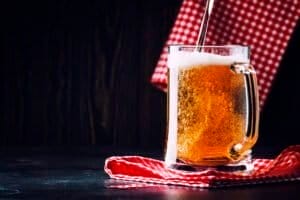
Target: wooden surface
78 174
77 72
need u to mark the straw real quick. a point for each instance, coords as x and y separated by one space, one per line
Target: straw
204 24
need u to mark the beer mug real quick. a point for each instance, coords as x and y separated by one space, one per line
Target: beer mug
213 108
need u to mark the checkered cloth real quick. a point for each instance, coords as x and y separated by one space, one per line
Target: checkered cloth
145 172
264 25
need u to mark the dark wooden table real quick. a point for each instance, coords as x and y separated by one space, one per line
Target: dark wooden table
77 173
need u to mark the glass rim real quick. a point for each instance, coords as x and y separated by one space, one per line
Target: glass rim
210 46
244 49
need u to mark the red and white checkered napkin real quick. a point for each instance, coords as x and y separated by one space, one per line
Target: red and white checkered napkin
264 25
150 172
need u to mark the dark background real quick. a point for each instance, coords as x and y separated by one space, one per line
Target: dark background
77 73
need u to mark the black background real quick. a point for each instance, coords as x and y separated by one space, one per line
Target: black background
77 73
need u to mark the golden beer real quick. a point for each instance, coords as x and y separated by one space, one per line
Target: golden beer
215 104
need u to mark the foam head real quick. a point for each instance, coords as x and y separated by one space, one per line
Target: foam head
195 58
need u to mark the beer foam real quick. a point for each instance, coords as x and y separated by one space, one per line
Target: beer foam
190 59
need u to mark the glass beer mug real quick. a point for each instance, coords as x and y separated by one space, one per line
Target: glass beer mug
213 106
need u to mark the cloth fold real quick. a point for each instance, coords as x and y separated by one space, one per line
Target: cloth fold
284 168
265 25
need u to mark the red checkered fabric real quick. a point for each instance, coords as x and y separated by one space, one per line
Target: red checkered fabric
264 25
145 172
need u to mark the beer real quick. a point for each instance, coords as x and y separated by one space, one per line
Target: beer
212 109
211 113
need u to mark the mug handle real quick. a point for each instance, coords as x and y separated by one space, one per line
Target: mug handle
242 149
